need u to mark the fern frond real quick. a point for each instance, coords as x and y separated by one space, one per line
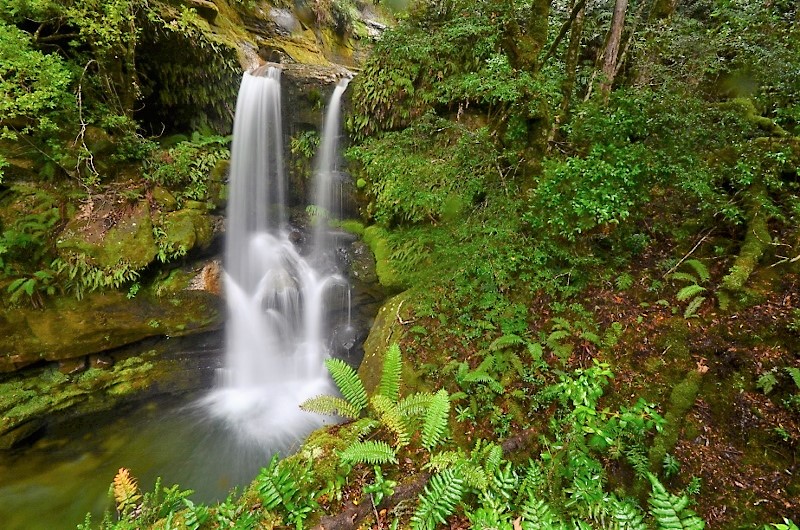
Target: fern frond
389 416
330 406
628 516
505 341
694 305
126 491
414 405
794 373
533 483
700 268
368 452
473 475
684 277
436 418
537 514
442 494
482 377
670 511
390 376
689 291
275 483
444 460
349 383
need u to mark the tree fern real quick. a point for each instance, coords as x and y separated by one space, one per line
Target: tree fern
440 498
330 406
670 511
368 452
349 383
390 377
390 417
700 268
435 423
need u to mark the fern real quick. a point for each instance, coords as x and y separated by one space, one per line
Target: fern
533 483
414 405
444 460
389 416
628 516
442 494
794 373
670 511
369 452
700 268
275 484
537 515
126 491
694 305
506 341
436 420
330 406
390 377
684 277
348 382
689 291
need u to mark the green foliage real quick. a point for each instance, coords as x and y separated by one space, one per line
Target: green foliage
283 485
389 386
442 494
331 406
436 418
372 452
348 382
186 167
671 512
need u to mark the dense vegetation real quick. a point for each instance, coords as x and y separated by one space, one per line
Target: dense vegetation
592 211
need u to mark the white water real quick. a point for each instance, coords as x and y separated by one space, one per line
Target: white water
278 301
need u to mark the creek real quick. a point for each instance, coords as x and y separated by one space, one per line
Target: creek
289 308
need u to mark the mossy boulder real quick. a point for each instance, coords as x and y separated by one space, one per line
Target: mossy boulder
186 229
111 236
69 328
386 329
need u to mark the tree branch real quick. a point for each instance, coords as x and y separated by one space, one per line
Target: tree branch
562 33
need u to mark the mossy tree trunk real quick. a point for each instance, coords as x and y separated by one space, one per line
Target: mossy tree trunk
756 240
612 48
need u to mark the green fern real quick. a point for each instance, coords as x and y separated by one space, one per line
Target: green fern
330 406
689 291
699 268
442 494
415 405
670 511
389 416
537 515
684 277
628 516
275 484
436 419
369 452
694 305
505 341
390 376
794 373
348 382
533 484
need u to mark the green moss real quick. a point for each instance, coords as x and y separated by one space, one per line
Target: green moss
350 225
385 330
376 238
681 400
755 243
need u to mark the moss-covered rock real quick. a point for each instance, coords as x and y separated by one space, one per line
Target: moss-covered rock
186 229
386 330
111 236
69 328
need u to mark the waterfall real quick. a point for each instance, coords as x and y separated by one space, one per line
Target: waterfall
277 334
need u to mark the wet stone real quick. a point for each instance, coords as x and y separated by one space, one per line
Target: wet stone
102 362
72 366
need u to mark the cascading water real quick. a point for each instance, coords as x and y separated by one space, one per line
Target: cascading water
276 297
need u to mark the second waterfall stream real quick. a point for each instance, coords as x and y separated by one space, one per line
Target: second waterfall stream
282 301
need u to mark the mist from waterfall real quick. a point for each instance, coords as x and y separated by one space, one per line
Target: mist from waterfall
277 333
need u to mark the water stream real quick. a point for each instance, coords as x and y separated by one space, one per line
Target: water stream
285 304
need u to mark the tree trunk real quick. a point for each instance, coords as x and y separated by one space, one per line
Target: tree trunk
611 52
571 63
